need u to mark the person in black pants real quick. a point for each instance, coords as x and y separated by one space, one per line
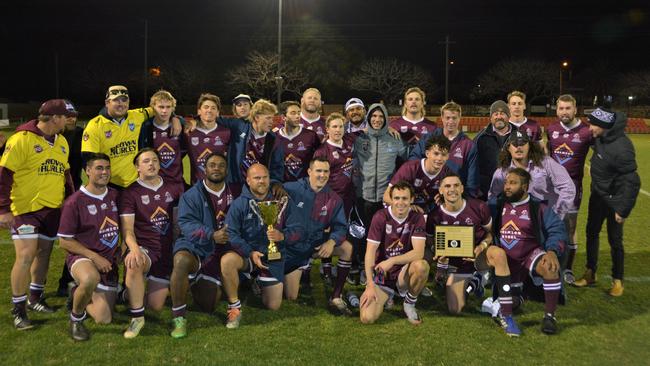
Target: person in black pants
615 186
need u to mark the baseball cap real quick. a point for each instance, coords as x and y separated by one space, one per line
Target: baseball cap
58 107
242 97
518 138
116 91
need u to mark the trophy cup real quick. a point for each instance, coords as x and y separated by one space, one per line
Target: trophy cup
269 213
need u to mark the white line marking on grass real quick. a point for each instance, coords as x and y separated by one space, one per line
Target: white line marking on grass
643 191
641 279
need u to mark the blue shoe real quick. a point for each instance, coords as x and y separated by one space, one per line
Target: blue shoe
509 325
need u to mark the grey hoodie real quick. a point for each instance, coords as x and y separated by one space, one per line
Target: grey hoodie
375 153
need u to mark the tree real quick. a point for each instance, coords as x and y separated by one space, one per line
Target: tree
258 76
635 84
534 77
389 78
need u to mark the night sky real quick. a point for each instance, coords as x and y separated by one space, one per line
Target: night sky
107 37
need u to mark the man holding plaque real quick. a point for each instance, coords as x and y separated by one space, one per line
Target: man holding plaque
456 210
321 215
533 237
394 256
251 224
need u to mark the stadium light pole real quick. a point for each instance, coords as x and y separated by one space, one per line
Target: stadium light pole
564 65
278 77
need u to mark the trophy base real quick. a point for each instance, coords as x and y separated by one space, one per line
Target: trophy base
274 256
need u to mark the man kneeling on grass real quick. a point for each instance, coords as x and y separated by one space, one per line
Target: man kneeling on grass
396 241
89 232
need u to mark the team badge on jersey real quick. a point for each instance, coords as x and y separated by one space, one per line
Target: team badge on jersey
92 209
168 197
195 141
417 182
38 148
301 146
555 134
524 215
63 149
86 137
389 229
576 138
108 134
131 126
335 154
145 199
458 153
403 128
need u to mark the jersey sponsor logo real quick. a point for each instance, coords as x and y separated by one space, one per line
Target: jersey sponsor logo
293 165
163 134
156 197
566 135
403 128
92 209
51 166
200 160
85 137
108 134
563 153
38 148
109 232
468 221
323 211
167 155
104 206
131 126
510 234
206 140
300 204
63 149
168 197
160 220
124 148
290 145
145 199
194 141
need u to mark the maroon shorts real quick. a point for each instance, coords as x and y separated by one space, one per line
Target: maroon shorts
107 282
162 263
211 266
41 224
520 269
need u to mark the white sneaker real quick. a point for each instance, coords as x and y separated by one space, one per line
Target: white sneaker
412 314
491 307
426 292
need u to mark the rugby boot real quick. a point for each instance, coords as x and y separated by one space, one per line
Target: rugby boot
338 306
549 324
21 321
588 279
617 288
234 317
40 306
508 323
134 328
412 314
569 277
78 331
180 327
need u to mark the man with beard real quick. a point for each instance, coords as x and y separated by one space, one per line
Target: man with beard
462 153
115 132
89 232
298 143
413 124
425 174
615 186
394 261
202 241
34 179
310 105
355 112
489 142
534 238
249 237
569 140
517 105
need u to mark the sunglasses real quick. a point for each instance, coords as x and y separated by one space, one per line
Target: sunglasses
118 92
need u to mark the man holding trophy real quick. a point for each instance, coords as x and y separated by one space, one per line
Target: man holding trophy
251 225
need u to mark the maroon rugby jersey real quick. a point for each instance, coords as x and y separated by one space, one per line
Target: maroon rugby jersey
531 127
570 147
317 125
426 186
201 143
254 151
169 151
517 237
412 131
340 158
93 221
394 237
298 152
460 149
153 209
474 213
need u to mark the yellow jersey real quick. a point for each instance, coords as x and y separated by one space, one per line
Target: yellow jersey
117 140
39 170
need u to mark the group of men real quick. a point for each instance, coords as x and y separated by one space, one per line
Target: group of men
355 186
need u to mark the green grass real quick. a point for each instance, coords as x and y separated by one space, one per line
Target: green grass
594 328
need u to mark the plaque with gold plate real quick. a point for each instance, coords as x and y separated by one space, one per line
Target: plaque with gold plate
454 241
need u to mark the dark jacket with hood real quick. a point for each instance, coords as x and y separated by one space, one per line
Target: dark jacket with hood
488 146
613 168
375 153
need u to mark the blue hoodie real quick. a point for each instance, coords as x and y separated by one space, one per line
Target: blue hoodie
314 212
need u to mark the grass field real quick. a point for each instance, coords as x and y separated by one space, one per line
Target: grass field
595 329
